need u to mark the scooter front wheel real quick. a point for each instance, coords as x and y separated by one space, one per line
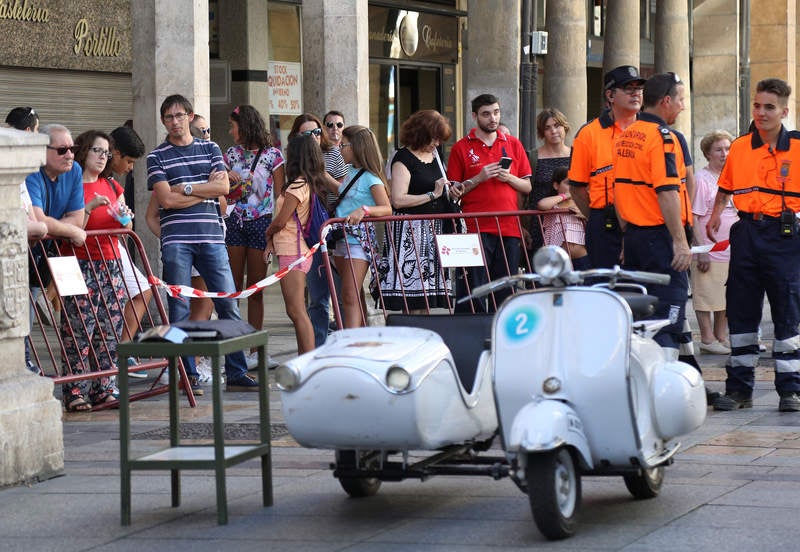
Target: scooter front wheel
647 483
554 492
356 487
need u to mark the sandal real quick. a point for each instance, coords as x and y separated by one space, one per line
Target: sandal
76 403
107 397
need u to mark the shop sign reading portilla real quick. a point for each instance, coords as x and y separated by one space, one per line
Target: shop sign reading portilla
84 35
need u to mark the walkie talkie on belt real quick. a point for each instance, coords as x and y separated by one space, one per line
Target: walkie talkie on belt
788 218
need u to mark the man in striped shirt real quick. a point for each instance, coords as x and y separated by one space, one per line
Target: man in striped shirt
187 176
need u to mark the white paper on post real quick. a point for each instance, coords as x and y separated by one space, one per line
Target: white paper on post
456 250
68 276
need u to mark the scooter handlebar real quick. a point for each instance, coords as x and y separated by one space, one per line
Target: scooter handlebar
617 273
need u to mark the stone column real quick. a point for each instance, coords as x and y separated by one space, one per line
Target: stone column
773 47
565 62
491 61
715 76
672 51
170 56
244 43
621 35
336 58
31 442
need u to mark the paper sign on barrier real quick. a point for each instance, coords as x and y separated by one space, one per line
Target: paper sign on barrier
457 250
68 276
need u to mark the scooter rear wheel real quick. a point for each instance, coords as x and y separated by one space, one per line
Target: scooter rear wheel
356 487
645 484
554 492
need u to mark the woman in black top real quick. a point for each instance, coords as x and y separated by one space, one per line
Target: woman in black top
411 278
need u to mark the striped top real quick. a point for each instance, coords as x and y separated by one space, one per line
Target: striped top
192 164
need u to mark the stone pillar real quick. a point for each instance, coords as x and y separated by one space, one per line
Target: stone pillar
31 441
621 35
672 51
715 76
170 56
244 43
565 62
336 58
773 47
491 61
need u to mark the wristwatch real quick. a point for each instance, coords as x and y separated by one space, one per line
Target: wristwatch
187 190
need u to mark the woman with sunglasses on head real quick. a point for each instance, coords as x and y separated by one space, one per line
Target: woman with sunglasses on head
255 165
335 171
96 318
362 194
305 171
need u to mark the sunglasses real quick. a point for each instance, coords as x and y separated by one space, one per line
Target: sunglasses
206 130
315 132
64 149
331 125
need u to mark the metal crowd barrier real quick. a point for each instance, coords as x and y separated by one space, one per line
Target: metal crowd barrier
51 329
372 310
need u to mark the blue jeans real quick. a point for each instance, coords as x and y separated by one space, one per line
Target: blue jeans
319 298
211 261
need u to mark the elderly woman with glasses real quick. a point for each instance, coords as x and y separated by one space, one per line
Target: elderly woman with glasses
96 318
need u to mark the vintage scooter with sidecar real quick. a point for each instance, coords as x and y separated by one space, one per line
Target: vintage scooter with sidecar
562 373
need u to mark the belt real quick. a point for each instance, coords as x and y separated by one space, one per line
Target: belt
756 216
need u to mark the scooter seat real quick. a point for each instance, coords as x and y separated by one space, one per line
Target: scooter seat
466 335
641 305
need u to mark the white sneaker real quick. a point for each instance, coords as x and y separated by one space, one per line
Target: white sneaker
252 361
715 348
204 370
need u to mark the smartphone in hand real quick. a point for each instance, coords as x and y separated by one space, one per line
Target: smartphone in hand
505 162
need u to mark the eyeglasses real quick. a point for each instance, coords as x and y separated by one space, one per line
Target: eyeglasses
314 132
344 145
206 130
100 152
63 149
331 125
177 117
632 89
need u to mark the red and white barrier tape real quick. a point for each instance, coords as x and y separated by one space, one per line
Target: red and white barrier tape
711 248
188 291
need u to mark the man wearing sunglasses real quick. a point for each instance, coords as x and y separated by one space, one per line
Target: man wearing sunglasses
334 123
56 189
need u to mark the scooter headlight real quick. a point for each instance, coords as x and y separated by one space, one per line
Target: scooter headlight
398 379
551 262
286 378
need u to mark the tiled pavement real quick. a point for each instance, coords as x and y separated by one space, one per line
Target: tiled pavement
733 487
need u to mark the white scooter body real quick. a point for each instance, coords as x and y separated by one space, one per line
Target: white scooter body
342 400
569 372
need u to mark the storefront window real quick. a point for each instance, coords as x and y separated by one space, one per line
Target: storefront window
285 69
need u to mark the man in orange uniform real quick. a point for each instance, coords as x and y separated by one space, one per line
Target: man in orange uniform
591 169
762 173
652 203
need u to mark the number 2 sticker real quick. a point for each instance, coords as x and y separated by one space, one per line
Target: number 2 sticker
520 324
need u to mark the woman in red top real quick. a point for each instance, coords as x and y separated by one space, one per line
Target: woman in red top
97 316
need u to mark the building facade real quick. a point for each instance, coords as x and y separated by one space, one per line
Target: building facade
93 64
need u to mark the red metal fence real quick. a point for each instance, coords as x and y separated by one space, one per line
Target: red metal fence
89 333
412 255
